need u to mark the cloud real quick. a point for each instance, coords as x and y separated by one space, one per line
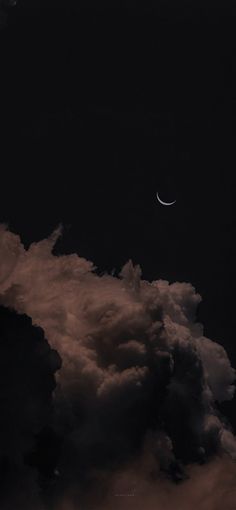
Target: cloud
208 487
27 367
137 371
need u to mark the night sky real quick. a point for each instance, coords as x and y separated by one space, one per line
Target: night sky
102 105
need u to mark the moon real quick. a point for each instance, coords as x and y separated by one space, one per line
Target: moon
164 203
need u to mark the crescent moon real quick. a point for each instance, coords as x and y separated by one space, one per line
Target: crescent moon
164 203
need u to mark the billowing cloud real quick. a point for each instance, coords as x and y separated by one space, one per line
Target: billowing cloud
137 372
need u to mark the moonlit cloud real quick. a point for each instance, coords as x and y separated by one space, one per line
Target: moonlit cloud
139 380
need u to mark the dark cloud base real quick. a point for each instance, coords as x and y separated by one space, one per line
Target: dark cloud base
27 381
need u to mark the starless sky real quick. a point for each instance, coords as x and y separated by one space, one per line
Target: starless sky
102 106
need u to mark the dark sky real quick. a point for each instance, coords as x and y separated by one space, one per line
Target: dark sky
100 108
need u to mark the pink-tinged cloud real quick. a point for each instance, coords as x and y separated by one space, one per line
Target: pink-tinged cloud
135 363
